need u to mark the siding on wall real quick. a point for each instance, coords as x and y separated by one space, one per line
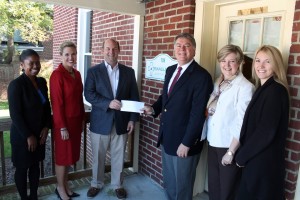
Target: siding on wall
163 21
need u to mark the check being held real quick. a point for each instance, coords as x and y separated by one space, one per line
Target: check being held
132 106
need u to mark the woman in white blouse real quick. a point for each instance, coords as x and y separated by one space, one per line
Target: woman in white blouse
226 107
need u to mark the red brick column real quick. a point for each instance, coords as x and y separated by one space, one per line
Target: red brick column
293 140
163 21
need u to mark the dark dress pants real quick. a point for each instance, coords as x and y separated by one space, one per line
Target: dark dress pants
243 193
223 181
179 176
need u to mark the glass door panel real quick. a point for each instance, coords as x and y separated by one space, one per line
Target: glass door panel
236 33
252 34
271 31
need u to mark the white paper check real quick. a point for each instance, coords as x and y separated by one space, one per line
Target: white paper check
132 106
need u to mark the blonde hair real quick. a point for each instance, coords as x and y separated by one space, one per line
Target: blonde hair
228 49
66 44
277 65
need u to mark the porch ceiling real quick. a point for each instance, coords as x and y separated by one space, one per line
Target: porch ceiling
131 7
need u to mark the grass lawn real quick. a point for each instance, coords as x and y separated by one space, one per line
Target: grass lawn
6 135
7 146
3 105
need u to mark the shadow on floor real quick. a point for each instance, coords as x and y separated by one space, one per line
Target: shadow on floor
138 186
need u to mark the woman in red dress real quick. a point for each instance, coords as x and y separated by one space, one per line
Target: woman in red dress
68 113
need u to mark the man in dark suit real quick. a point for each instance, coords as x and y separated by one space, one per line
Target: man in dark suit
182 108
106 85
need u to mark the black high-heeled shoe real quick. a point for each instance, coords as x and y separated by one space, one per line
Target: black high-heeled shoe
58 196
56 192
74 194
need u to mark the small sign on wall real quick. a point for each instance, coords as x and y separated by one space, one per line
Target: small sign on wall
156 67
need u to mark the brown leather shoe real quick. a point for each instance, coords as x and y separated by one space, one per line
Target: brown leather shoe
92 192
121 193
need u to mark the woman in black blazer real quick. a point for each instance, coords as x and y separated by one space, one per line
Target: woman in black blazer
30 112
264 130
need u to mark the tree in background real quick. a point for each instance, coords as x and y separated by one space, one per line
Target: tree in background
33 20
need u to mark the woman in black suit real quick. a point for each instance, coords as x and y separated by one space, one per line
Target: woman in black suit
30 112
264 130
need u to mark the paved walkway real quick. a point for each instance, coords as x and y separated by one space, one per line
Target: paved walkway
138 186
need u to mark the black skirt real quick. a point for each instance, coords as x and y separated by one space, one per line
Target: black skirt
21 157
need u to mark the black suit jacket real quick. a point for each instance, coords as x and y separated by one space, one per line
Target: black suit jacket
98 92
29 116
262 139
183 112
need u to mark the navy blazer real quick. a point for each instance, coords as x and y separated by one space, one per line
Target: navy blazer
183 112
29 116
263 137
98 92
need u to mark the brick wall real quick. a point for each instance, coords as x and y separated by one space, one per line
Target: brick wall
65 28
163 21
293 140
110 25
48 49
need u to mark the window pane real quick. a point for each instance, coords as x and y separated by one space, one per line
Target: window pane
236 33
252 35
271 33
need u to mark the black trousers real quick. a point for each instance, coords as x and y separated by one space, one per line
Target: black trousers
243 193
33 173
223 181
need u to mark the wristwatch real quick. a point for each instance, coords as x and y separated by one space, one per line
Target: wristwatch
230 153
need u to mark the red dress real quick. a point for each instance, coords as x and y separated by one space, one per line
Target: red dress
68 111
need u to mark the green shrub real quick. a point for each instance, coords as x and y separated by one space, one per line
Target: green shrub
3 105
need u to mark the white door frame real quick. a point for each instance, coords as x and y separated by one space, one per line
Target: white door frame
297 193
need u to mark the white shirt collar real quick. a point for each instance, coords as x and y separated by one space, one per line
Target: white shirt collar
109 67
185 66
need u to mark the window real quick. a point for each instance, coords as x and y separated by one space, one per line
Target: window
250 33
84 55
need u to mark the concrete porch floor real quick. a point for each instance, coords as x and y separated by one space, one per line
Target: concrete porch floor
138 186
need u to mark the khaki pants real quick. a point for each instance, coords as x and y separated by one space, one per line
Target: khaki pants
100 144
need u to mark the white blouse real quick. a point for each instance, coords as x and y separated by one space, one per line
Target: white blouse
225 124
